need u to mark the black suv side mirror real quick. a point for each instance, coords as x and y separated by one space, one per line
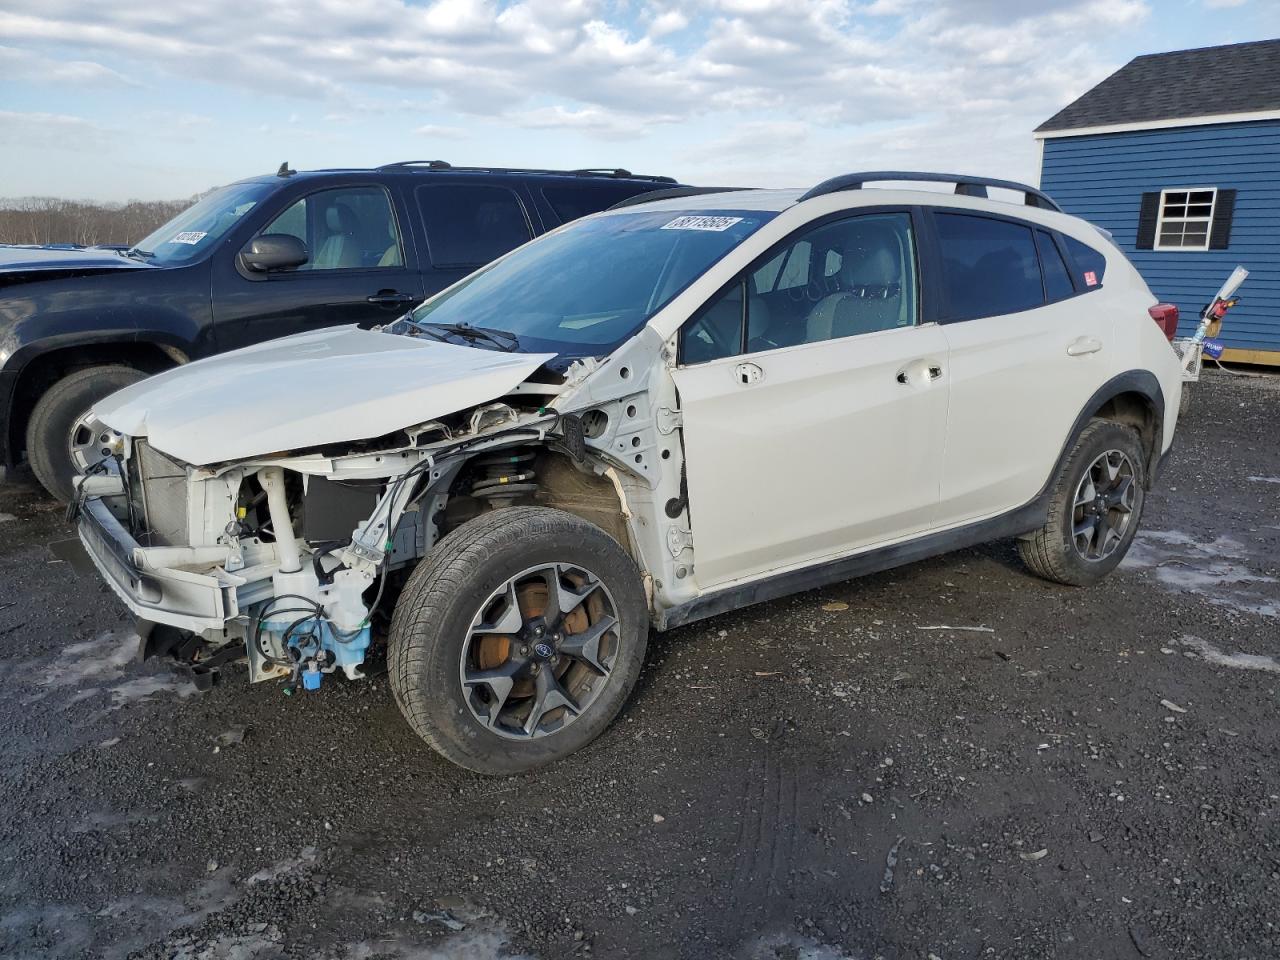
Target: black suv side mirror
274 251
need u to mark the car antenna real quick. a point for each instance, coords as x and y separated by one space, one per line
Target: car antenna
284 170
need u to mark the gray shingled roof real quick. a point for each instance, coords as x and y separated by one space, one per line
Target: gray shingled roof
1237 78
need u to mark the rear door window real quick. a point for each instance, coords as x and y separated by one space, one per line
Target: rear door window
1057 278
1090 264
989 267
469 225
569 203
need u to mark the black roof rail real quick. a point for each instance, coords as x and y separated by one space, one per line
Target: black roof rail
621 174
671 193
614 172
965 185
430 164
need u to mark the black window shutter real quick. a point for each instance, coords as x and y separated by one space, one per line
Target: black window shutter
1147 218
1223 209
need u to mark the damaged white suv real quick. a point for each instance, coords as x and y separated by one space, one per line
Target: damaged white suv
652 415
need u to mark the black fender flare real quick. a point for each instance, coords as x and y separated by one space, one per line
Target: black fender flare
1145 385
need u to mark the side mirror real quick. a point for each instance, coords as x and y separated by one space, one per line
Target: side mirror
274 251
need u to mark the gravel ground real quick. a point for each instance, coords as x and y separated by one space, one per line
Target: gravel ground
948 760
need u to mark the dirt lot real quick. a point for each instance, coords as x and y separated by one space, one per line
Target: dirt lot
1058 772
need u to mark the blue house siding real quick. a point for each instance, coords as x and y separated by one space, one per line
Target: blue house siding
1102 178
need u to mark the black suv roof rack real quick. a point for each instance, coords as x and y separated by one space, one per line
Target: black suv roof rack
615 172
965 185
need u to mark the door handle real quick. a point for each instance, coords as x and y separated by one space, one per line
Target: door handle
748 373
1083 345
921 369
391 296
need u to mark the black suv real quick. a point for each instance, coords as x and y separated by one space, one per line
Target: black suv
258 259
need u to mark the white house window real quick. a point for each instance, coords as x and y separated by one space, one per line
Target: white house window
1185 218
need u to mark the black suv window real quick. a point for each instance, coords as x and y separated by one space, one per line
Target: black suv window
469 224
347 228
1091 264
571 202
989 267
1057 278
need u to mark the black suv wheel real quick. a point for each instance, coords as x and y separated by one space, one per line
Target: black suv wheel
62 439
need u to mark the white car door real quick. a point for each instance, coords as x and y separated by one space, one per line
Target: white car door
1027 350
816 427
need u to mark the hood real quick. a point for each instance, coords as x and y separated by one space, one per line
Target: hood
311 389
40 259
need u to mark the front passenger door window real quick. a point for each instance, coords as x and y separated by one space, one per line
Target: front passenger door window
349 228
840 279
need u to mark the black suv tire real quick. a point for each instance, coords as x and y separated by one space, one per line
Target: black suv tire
55 417
1087 502
437 655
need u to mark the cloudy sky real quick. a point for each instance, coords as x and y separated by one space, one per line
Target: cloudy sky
111 100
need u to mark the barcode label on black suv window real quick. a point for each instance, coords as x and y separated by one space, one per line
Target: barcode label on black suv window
702 223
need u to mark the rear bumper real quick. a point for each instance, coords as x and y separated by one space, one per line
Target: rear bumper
190 601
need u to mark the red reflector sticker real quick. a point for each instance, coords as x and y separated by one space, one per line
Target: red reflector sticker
1090 278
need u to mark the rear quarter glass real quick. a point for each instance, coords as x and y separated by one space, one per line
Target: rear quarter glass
1090 264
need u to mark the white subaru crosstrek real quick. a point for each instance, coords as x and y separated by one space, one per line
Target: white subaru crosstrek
649 416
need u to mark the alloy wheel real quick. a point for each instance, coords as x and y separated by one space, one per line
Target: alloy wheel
540 650
92 442
1102 511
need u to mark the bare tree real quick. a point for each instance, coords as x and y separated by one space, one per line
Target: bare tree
44 220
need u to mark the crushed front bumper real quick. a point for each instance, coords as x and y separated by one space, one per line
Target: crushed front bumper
198 602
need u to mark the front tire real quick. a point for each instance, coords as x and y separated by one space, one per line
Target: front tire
62 441
1094 509
518 639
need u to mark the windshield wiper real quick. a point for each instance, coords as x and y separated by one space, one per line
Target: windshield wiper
137 254
415 328
468 332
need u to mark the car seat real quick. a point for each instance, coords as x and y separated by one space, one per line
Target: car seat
870 295
340 248
391 256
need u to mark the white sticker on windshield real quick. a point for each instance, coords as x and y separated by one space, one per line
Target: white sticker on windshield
715 224
190 236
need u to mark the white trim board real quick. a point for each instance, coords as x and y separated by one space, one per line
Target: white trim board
1159 124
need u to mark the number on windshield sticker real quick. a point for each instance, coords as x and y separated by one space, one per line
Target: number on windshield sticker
716 224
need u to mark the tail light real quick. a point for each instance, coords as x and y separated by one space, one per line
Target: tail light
1166 317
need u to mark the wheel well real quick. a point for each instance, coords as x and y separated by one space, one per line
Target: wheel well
1136 410
559 483
48 368
593 498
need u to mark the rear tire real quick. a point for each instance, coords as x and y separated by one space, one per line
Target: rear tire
481 634
55 423
1094 509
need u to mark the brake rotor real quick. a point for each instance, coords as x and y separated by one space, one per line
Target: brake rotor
495 649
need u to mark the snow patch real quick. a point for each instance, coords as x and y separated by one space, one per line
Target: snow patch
1218 570
1207 652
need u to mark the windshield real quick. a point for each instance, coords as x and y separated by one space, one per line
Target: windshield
585 289
196 229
